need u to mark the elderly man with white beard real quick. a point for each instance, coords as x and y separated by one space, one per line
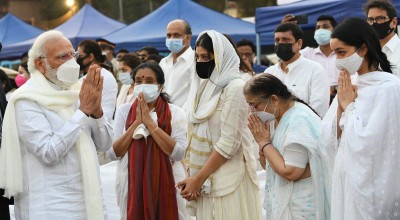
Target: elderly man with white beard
48 157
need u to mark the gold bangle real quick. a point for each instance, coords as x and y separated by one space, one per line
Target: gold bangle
155 129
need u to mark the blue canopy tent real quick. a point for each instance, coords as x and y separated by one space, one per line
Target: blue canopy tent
268 18
88 23
14 30
150 30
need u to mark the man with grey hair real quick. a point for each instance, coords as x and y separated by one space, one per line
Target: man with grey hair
48 156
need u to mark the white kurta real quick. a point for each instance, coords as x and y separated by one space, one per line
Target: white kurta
52 174
366 181
392 51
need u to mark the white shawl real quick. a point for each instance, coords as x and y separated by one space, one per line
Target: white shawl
45 95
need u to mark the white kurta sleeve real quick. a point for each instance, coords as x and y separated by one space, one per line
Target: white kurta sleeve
179 132
108 94
102 133
119 126
48 146
233 116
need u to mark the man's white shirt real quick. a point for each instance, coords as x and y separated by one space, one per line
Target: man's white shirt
306 80
392 51
178 76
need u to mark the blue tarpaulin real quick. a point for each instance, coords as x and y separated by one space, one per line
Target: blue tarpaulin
13 30
150 30
268 18
88 23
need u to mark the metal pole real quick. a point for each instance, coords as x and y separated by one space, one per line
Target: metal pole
258 45
121 11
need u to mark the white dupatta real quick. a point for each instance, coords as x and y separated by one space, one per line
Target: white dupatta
11 178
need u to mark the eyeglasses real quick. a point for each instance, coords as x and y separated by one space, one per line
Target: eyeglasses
378 20
253 108
65 56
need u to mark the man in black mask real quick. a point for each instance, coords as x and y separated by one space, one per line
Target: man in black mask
304 77
381 14
90 53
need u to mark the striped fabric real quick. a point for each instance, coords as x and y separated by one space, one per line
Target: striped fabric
151 193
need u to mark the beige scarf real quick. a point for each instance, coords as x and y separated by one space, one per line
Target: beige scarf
40 91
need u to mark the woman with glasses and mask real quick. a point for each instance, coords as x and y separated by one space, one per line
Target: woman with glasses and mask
287 132
127 64
152 133
222 167
362 128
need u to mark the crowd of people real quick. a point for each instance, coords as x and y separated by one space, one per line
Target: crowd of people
188 132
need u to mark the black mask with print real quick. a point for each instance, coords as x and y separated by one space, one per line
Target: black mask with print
383 29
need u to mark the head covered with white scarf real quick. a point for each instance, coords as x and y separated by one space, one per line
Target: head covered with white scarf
203 99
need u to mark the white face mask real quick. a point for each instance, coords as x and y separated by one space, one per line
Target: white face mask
351 63
265 116
125 78
150 91
65 75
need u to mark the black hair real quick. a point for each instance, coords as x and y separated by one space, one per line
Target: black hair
123 51
242 65
150 50
4 79
381 4
245 42
357 32
157 58
24 65
205 41
294 28
92 47
188 29
265 85
131 59
327 18
157 71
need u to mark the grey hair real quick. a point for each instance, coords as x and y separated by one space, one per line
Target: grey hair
37 49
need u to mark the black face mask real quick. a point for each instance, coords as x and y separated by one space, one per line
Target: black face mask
205 69
80 62
383 29
284 51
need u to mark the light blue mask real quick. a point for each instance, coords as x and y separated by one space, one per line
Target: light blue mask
174 44
125 78
322 36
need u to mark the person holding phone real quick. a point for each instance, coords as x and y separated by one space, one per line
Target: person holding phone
323 54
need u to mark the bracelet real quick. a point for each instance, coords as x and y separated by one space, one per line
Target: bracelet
262 149
155 129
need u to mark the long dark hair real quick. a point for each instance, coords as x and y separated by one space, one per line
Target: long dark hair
264 85
159 75
356 32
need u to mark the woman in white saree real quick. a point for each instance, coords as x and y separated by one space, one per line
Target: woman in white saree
288 134
363 127
223 182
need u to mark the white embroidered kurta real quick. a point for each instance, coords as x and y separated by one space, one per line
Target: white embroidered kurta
52 176
366 180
